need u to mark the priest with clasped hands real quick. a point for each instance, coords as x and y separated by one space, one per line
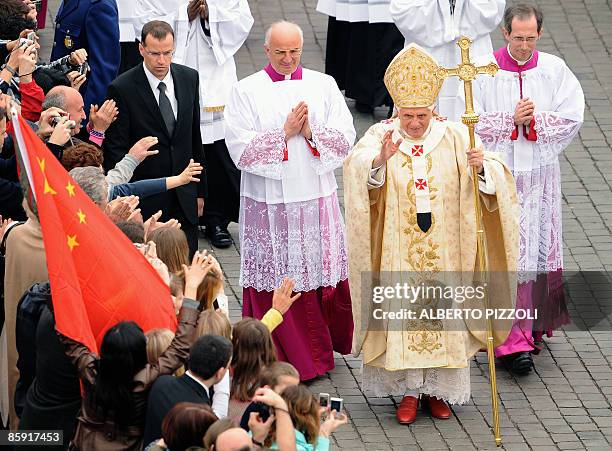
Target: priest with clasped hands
410 210
288 128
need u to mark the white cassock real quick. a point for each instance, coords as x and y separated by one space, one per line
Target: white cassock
430 24
532 153
371 11
290 219
209 50
126 11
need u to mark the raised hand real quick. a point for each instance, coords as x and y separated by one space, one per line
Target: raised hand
140 150
388 149
201 264
281 299
190 173
101 118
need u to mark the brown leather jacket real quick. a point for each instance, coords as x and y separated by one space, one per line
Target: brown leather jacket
93 433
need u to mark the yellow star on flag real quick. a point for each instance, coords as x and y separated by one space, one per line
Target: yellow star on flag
41 163
81 216
70 189
48 189
72 242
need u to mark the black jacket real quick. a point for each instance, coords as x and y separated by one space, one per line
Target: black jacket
53 399
166 392
139 116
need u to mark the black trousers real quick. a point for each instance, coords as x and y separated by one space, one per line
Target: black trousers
130 56
223 179
357 56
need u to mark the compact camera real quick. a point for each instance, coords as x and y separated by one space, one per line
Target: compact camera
57 120
336 404
83 68
324 399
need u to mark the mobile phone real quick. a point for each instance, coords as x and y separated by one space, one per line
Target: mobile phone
324 399
336 404
31 36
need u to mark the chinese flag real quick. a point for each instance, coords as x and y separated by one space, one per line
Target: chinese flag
97 275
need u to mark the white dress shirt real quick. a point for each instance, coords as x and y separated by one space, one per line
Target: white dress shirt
154 82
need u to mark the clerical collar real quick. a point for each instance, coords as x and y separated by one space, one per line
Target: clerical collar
506 61
275 76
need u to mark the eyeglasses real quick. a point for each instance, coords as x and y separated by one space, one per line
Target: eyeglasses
529 39
292 52
167 54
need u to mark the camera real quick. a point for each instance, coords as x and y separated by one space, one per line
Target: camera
336 404
324 399
24 42
263 410
83 68
31 36
56 120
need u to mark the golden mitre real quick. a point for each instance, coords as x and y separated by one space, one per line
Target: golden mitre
412 78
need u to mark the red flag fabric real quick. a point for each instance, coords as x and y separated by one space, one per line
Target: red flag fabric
97 275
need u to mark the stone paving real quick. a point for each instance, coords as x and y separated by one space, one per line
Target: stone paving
565 403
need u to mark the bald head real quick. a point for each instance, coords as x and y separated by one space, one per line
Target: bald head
283 46
283 30
69 100
235 439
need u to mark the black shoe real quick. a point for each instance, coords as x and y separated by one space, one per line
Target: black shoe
219 236
364 108
519 363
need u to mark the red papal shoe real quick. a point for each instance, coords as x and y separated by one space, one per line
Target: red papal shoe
407 410
437 407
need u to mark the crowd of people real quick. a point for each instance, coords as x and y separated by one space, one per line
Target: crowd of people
142 107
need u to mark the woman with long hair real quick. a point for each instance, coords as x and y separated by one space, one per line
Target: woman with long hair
253 350
172 247
305 412
117 383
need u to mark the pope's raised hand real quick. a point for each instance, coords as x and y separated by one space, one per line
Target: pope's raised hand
387 150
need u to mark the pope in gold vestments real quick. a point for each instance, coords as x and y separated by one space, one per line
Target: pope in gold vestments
415 213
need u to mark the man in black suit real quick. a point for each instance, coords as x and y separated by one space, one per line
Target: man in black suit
209 359
160 99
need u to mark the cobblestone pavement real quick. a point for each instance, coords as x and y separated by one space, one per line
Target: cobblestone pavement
565 404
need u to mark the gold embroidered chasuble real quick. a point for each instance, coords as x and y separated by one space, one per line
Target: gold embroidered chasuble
384 237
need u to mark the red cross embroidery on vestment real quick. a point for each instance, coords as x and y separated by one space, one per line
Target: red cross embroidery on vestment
417 151
420 184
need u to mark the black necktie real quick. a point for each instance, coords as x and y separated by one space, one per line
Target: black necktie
452 6
166 108
211 393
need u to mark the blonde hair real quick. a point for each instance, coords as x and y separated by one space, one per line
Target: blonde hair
158 341
214 323
209 288
172 247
